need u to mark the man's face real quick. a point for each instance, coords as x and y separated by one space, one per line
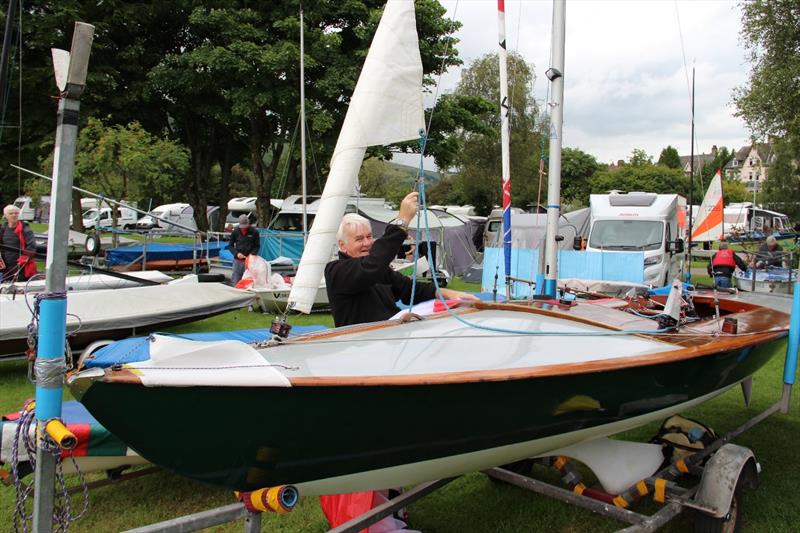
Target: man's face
12 218
357 241
771 246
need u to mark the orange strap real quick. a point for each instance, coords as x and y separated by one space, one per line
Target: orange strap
660 488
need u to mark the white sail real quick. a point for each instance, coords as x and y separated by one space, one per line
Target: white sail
386 107
709 219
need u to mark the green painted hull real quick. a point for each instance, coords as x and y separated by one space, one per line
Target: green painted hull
245 438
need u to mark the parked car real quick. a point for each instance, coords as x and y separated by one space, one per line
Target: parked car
26 210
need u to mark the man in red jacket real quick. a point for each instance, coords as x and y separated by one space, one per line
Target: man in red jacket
723 264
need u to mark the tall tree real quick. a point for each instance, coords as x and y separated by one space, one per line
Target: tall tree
640 158
577 168
649 178
770 100
782 188
669 157
479 167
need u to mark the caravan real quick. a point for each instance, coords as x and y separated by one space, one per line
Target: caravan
27 212
652 223
182 214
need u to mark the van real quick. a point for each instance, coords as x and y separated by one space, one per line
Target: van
126 218
290 217
246 205
654 224
27 212
494 224
179 213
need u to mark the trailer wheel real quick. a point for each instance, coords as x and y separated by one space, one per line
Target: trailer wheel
730 523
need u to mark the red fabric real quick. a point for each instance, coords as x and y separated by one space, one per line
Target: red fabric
81 431
439 307
723 258
27 263
244 283
244 231
341 508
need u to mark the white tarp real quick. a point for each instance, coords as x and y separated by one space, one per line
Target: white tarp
180 362
91 282
386 107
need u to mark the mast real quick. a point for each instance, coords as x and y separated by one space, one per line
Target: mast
556 76
303 128
10 15
691 184
504 142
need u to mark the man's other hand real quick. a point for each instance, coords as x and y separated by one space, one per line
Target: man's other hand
450 294
408 207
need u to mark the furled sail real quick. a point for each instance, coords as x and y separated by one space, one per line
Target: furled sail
708 223
386 107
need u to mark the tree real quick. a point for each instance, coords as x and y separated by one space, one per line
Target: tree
126 162
577 168
478 180
639 158
782 189
770 100
735 191
649 178
670 158
721 158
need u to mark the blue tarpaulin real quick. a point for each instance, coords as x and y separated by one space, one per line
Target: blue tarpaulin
276 244
124 255
135 349
616 266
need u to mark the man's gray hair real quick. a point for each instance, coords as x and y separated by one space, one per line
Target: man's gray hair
723 245
772 240
7 210
351 220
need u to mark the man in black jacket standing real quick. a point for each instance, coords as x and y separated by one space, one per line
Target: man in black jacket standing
243 242
362 287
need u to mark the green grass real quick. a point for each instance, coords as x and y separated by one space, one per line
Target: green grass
471 503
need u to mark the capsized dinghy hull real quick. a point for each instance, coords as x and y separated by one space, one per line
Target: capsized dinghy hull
355 431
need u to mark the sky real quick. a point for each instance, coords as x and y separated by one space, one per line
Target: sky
626 83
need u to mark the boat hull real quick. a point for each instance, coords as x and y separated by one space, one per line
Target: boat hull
346 438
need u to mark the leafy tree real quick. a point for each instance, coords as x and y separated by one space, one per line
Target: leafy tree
720 160
126 162
577 168
782 189
770 100
669 157
649 178
478 180
639 158
735 190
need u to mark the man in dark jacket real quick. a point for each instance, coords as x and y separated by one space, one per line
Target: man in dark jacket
243 242
362 287
723 264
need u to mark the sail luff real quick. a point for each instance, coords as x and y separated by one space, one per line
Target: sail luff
386 107
504 141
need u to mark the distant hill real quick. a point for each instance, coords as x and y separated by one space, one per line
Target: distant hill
431 177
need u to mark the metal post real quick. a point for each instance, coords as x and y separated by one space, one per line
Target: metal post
556 76
303 131
70 69
790 366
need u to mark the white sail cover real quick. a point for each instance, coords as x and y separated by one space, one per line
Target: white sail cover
708 221
386 107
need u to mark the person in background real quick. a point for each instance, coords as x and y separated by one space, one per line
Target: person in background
723 264
243 241
17 247
770 254
362 287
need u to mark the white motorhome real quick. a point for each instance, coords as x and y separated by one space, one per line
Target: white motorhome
246 205
290 217
126 218
654 224
26 210
745 217
182 214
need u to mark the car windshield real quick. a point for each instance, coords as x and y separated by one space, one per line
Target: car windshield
627 235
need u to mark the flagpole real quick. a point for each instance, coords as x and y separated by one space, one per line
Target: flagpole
505 142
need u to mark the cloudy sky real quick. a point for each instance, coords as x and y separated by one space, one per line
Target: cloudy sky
626 85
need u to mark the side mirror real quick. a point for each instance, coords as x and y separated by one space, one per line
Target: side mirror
577 243
676 246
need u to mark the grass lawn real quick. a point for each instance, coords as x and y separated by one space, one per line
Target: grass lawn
471 503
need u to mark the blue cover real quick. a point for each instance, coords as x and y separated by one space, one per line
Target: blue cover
135 349
275 244
616 266
157 251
